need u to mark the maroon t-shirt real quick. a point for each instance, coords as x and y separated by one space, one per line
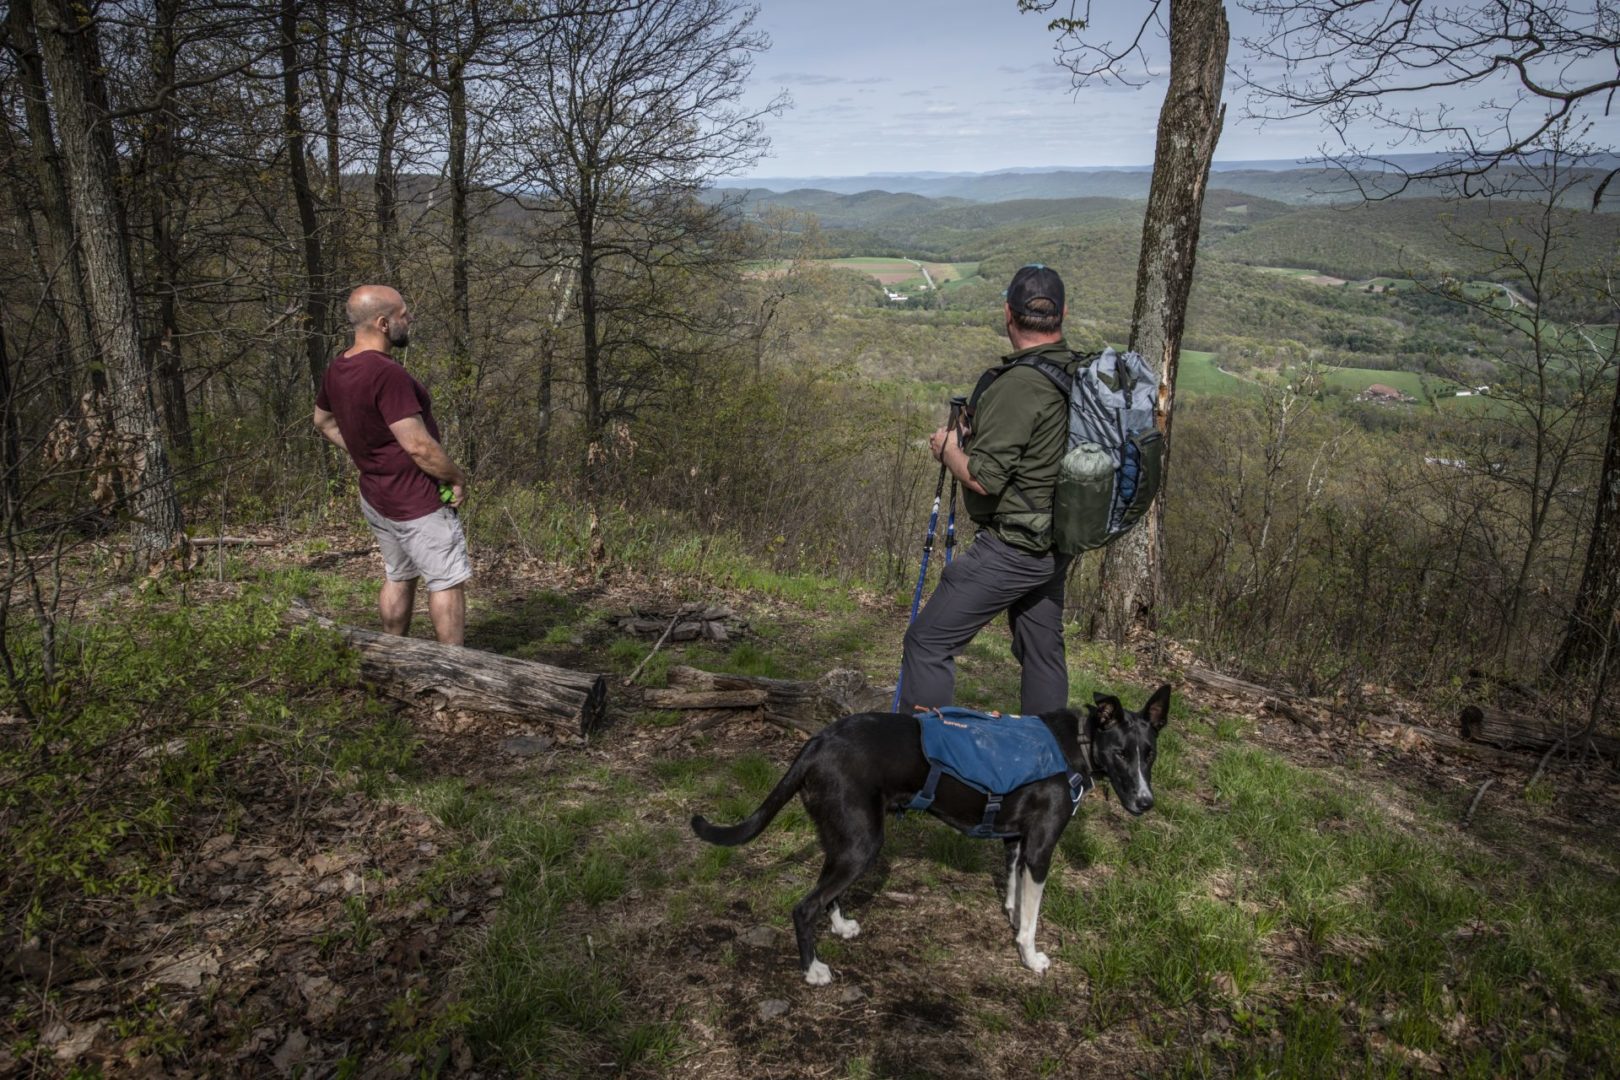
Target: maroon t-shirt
367 391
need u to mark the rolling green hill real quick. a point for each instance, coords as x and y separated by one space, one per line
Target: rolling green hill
1276 284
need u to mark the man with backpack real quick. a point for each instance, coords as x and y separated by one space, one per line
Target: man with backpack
1007 463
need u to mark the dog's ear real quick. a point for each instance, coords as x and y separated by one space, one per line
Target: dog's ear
1157 709
1107 712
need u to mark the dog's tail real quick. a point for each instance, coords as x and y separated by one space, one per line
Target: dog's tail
754 824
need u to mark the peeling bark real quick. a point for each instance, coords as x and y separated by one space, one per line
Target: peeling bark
1189 126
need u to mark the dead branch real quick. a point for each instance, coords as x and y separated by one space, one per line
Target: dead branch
1468 817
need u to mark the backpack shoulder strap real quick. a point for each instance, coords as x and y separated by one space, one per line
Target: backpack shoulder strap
1060 378
983 384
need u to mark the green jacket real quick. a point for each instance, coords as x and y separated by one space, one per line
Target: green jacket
1020 431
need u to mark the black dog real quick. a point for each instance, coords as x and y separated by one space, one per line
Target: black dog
853 771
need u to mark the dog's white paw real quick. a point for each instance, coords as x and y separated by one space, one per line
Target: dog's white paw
845 928
818 974
1037 962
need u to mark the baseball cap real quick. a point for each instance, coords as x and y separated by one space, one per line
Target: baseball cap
1036 292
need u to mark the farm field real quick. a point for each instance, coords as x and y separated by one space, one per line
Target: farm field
907 273
1311 277
1474 290
1199 374
1356 380
891 273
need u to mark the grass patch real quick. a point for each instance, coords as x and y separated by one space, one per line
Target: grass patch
1199 374
1290 891
1278 909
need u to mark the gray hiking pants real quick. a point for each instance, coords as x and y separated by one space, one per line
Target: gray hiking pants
990 577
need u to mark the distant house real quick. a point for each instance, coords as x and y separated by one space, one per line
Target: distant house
1386 395
1495 468
894 297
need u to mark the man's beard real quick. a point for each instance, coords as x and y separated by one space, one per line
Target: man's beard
399 336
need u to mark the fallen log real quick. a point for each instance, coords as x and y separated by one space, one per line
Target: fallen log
457 677
802 706
1518 731
705 699
1282 702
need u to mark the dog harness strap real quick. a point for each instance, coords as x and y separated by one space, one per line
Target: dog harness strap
925 798
1077 791
987 825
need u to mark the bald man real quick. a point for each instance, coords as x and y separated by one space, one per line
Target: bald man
373 408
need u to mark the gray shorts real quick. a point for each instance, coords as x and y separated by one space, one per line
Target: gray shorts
432 548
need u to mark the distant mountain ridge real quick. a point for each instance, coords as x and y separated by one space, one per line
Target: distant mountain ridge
1283 181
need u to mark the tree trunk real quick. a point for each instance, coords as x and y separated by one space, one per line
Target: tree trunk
460 299
461 678
315 280
64 266
590 347
332 81
10 452
385 177
92 195
161 165
548 369
1594 619
1189 126
542 413
43 267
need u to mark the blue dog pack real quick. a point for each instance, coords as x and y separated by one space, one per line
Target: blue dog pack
992 753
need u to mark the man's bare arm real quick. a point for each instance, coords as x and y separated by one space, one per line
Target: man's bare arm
947 448
412 434
327 425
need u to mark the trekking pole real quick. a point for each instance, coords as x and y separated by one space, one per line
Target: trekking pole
928 549
957 405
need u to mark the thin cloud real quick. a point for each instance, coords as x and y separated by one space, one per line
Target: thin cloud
815 78
807 78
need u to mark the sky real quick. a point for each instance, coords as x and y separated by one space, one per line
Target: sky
973 86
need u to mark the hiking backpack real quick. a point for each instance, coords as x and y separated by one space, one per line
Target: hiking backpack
1114 460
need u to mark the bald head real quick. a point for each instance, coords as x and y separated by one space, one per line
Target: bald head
379 317
371 302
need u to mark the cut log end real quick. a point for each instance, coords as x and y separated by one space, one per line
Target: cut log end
1469 724
593 710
